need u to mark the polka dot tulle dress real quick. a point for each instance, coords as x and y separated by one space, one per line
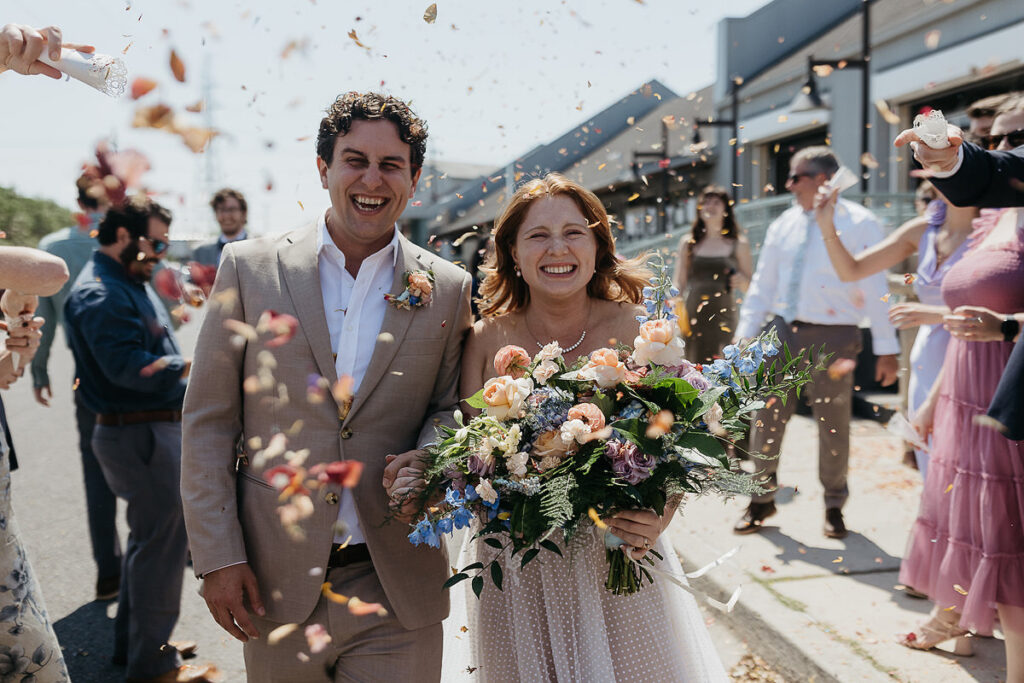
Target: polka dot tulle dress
554 621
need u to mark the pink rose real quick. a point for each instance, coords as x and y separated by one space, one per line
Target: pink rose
420 285
590 414
511 360
657 331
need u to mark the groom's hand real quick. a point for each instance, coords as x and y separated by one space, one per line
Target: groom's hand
403 480
223 590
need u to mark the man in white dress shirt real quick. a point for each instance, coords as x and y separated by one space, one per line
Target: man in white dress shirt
796 290
268 569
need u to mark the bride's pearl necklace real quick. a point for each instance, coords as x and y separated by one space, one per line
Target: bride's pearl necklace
571 348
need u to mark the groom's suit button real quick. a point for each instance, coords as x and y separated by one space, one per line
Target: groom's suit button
331 498
346 433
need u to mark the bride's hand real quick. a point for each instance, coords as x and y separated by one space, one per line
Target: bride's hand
640 530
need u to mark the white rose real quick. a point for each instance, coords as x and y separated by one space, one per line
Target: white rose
574 430
544 371
510 444
669 354
517 463
605 375
486 491
550 352
713 418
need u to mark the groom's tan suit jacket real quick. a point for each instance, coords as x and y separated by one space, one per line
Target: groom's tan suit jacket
410 385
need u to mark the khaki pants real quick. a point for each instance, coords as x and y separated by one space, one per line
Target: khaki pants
363 648
830 404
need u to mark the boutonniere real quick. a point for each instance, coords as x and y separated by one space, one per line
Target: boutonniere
419 285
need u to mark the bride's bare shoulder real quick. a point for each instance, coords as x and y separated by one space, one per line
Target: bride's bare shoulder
620 318
493 331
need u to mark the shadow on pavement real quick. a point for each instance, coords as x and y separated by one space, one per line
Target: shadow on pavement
87 636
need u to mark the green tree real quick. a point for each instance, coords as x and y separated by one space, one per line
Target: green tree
25 220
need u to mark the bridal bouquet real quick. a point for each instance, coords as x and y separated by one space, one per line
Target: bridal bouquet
559 447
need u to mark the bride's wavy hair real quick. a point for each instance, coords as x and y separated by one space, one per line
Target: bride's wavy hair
614 279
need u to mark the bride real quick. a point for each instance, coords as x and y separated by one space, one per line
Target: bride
555 276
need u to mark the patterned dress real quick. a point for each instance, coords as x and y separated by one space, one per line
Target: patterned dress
28 646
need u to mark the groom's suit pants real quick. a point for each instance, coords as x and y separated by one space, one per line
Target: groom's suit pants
831 396
362 648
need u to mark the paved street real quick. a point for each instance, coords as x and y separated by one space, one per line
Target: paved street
813 608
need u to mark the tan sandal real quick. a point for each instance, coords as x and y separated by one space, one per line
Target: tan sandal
940 628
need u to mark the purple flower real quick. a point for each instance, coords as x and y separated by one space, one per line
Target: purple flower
479 466
628 462
697 380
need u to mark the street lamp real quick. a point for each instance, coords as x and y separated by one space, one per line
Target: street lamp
734 124
809 99
664 161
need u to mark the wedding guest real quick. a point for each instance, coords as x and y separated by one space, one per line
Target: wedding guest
966 547
798 292
24 623
713 264
232 213
75 246
924 195
939 238
981 113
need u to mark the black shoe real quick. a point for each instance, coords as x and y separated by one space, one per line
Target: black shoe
835 527
108 588
752 518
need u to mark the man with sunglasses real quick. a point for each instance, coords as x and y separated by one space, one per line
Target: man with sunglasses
796 290
131 373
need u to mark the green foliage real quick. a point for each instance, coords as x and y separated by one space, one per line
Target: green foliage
27 220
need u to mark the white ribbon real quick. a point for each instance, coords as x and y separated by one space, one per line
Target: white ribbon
720 606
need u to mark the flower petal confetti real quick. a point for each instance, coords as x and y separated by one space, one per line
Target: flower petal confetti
142 86
430 16
177 67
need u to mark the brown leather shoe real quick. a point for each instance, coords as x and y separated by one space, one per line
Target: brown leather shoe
835 527
186 673
755 514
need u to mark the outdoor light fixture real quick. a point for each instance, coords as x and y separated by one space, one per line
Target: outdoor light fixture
808 98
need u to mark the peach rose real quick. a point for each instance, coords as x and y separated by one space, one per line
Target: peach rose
657 331
590 414
604 368
549 449
420 285
544 371
505 396
511 360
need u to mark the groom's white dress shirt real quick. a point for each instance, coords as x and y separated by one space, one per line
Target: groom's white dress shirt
355 309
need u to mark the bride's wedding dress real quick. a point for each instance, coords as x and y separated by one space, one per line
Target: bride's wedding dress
555 621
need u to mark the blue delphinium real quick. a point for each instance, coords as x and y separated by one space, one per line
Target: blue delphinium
424 532
633 410
657 295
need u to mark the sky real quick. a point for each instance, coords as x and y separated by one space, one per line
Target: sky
492 79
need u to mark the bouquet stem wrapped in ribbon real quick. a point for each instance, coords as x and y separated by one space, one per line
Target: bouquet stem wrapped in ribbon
559 448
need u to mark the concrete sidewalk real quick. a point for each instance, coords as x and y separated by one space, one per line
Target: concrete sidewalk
820 609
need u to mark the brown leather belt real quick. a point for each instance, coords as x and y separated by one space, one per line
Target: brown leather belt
350 554
139 417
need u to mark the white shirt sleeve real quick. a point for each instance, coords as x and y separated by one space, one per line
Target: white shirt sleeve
763 288
959 162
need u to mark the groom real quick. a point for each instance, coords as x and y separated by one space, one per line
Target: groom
404 366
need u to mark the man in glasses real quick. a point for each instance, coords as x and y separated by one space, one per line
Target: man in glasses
796 291
981 113
232 212
132 375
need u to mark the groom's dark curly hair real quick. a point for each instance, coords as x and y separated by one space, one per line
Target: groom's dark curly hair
372 106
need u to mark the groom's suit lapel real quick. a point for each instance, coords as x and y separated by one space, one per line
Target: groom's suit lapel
299 265
392 331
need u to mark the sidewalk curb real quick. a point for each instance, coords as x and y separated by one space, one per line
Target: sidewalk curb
795 645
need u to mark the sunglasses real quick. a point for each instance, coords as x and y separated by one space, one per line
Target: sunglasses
1016 139
795 177
159 246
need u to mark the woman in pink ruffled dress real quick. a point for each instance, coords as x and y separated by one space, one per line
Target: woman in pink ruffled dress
966 549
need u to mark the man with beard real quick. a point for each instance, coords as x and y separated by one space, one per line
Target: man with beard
132 375
232 213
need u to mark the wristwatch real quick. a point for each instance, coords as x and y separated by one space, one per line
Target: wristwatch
1010 327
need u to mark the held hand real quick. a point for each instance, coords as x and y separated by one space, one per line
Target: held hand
410 459
908 315
974 323
8 373
225 591
941 160
887 370
640 529
21 46
24 335
43 395
14 304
